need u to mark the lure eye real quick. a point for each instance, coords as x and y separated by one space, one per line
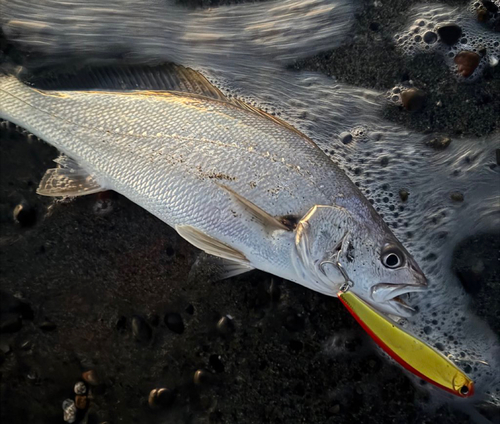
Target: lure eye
392 257
464 390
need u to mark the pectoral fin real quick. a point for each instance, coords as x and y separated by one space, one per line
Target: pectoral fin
270 223
210 245
70 179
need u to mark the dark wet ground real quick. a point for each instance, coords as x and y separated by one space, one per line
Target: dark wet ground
105 288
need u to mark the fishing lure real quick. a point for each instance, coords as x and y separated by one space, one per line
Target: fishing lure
409 351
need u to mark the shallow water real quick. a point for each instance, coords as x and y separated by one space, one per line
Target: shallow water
245 49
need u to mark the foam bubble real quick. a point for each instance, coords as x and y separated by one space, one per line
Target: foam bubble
421 35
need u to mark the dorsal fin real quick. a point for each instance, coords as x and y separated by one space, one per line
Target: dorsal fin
165 77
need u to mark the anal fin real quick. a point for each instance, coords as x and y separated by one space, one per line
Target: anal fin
68 180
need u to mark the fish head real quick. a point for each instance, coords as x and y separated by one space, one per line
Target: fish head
335 246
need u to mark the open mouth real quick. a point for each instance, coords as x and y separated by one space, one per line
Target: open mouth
394 298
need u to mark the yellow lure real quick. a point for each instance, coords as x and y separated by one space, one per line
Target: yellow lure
409 351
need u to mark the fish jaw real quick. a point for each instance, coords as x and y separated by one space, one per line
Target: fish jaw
388 298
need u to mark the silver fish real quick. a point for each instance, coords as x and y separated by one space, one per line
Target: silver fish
234 181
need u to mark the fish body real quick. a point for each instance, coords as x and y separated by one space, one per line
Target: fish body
231 179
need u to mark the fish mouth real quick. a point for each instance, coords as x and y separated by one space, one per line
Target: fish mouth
393 298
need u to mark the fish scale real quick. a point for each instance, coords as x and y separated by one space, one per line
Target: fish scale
205 165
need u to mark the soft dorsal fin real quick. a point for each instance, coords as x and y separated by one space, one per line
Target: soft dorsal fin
166 77
270 223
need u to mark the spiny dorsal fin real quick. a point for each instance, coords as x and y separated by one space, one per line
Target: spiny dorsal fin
210 245
68 180
270 223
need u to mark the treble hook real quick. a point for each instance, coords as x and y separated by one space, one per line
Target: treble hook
348 283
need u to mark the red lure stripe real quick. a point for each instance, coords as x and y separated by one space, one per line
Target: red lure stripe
393 355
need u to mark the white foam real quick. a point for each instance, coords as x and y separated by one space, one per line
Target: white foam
476 37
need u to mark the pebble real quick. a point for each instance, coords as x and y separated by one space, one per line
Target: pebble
161 398
457 196
10 303
10 323
47 326
80 388
449 33
24 215
202 377
403 194
490 6
482 14
467 62
91 377
140 329
81 401
225 325
70 411
413 99
335 409
439 143
345 137
190 309
4 347
174 322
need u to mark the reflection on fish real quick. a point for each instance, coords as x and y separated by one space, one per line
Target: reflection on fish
409 351
234 181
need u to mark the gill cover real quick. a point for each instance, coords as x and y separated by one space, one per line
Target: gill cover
319 237
409 351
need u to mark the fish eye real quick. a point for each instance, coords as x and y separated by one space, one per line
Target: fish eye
464 390
392 257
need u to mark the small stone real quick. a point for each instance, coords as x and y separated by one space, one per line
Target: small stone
457 196
174 322
345 137
24 215
384 161
91 377
403 194
81 401
189 309
10 323
161 398
439 143
80 388
482 14
467 62
449 33
413 99
47 326
4 347
70 411
202 377
430 37
140 329
225 325
10 303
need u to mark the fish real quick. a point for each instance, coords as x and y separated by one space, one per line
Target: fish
408 350
236 182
